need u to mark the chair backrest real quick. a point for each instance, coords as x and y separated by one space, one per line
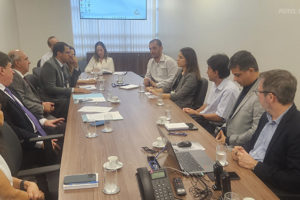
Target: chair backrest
201 93
10 148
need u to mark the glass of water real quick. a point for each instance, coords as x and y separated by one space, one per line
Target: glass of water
111 181
231 196
91 130
221 151
160 100
107 124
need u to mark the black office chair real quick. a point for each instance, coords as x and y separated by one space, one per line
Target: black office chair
11 151
201 93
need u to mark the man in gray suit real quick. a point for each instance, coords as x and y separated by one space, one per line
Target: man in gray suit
55 82
246 112
28 94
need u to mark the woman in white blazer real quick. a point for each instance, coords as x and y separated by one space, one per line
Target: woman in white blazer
100 60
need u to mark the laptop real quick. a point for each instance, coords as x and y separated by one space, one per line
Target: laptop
190 161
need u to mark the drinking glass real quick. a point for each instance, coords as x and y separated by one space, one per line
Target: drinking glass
221 151
111 181
91 130
160 100
231 196
107 124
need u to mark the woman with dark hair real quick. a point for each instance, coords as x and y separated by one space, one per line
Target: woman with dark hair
100 60
183 88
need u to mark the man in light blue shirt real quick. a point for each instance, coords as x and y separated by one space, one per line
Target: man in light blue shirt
273 152
221 97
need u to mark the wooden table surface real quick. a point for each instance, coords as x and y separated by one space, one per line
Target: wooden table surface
137 129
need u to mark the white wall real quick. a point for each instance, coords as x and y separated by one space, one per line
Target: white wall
9 37
39 19
269 29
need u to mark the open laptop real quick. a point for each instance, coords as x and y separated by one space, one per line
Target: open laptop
190 161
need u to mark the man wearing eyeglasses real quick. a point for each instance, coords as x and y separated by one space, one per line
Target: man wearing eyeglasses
273 152
246 112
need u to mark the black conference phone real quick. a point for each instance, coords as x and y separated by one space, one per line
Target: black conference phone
155 185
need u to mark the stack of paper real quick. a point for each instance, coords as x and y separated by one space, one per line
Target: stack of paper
95 109
93 97
120 73
130 86
176 126
100 116
88 87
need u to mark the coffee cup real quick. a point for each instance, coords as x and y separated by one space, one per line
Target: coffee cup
159 141
113 161
114 98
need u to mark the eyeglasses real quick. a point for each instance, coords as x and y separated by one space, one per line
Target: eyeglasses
264 92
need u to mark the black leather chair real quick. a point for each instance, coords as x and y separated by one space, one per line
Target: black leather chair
201 93
11 151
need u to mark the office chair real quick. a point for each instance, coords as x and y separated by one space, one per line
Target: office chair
11 151
201 93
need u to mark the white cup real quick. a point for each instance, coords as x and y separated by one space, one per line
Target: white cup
113 161
162 120
111 181
221 151
160 141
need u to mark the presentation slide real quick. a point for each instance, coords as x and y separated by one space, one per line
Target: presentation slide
113 9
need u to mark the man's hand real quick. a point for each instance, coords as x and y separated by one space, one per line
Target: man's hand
81 90
33 191
245 160
190 111
146 82
53 122
152 83
221 138
55 146
234 152
48 107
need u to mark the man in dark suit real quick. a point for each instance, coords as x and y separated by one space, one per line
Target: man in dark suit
273 152
28 94
22 121
54 83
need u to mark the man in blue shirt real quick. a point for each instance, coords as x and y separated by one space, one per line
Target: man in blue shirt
273 152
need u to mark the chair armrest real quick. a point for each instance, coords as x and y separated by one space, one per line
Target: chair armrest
45 138
38 170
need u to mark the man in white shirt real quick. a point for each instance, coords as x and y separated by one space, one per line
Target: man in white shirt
161 69
51 42
221 97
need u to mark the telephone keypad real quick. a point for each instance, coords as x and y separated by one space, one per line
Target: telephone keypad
162 189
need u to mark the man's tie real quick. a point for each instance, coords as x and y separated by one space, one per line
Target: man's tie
28 113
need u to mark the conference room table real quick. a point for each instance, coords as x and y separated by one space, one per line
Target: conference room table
138 128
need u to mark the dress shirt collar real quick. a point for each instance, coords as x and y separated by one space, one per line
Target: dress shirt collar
221 85
162 58
18 72
2 87
60 64
277 121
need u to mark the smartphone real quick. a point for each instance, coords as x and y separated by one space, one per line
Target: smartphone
191 126
234 176
98 123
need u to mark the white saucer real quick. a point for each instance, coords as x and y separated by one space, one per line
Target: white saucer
115 101
159 122
154 144
106 166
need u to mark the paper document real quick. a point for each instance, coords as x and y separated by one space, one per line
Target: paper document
100 116
96 109
120 73
176 126
130 86
93 97
88 87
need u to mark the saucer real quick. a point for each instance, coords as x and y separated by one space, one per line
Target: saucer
155 144
106 166
114 101
159 122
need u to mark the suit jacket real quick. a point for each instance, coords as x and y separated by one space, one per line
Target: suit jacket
17 119
52 81
281 165
243 122
30 99
184 91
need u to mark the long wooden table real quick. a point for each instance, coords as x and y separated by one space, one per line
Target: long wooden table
137 129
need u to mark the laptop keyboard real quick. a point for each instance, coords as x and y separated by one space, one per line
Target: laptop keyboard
188 163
